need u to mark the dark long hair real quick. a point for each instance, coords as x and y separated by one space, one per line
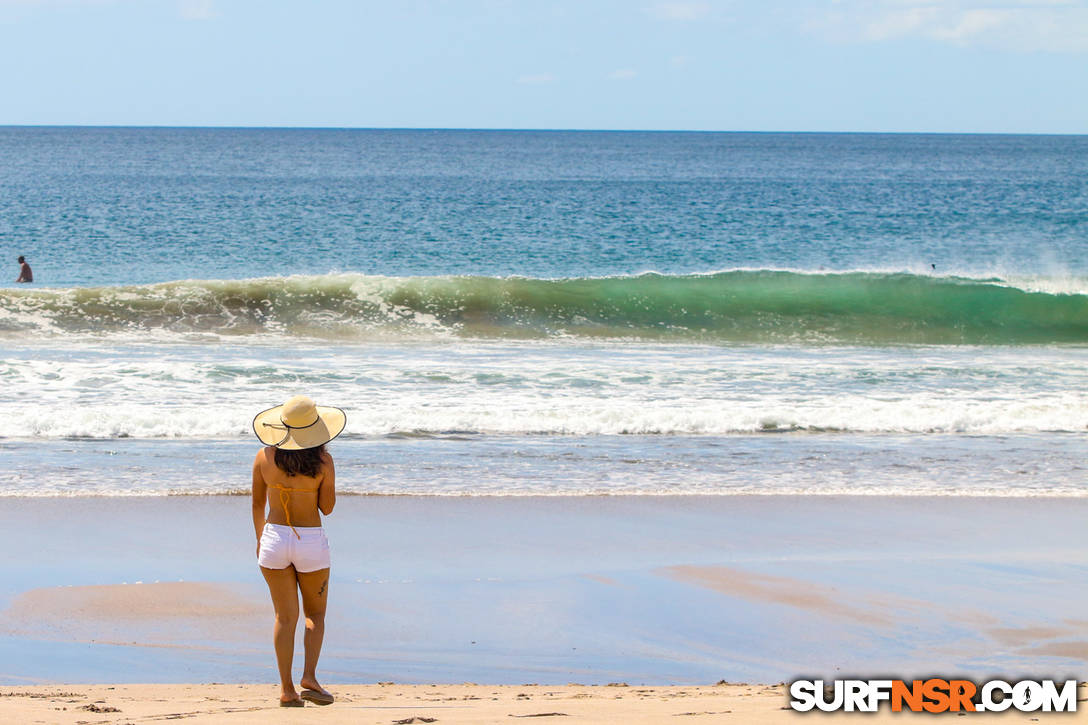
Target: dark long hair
306 462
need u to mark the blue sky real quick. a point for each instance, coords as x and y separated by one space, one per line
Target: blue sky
820 65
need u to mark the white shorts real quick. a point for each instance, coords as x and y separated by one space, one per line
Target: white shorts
280 548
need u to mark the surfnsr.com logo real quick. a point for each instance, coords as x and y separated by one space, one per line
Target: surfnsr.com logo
934 695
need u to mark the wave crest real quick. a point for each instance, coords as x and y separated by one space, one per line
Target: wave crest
744 306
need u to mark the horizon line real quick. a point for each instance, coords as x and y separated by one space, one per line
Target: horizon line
271 127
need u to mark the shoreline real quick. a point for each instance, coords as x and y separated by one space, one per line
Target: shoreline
508 466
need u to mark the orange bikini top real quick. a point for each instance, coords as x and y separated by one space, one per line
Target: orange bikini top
285 497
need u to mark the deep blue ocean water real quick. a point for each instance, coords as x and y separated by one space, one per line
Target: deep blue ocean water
548 312
121 205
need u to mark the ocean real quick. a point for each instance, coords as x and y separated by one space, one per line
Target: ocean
547 313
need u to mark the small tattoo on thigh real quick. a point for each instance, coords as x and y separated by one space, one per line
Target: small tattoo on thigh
321 591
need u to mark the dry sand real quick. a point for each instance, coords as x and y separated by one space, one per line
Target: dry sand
444 705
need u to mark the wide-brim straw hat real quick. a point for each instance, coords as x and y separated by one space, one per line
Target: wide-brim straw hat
298 424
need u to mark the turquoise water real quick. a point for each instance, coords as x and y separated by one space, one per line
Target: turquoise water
673 312
749 306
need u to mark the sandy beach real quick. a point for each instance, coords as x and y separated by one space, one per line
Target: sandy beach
459 704
650 591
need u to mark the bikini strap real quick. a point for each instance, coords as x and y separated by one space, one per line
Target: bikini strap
285 497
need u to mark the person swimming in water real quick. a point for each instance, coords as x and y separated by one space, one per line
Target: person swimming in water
25 273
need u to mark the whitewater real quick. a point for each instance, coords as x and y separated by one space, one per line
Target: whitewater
554 416
547 387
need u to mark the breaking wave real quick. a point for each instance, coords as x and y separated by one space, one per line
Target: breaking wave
742 306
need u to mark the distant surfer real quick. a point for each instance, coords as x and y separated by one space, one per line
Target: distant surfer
25 273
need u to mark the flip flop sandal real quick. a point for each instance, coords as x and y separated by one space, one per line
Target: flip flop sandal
297 702
318 697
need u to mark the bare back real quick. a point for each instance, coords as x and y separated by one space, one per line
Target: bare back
305 495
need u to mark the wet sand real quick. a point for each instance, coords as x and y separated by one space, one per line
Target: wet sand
645 590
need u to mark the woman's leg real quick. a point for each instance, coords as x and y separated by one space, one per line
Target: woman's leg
314 586
284 590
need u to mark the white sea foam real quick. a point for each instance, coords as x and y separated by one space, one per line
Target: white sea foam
547 389
555 417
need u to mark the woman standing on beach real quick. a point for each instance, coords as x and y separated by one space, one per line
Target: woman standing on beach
294 477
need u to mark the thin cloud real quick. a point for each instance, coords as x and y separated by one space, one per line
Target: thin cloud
1027 25
536 79
679 10
197 9
622 74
